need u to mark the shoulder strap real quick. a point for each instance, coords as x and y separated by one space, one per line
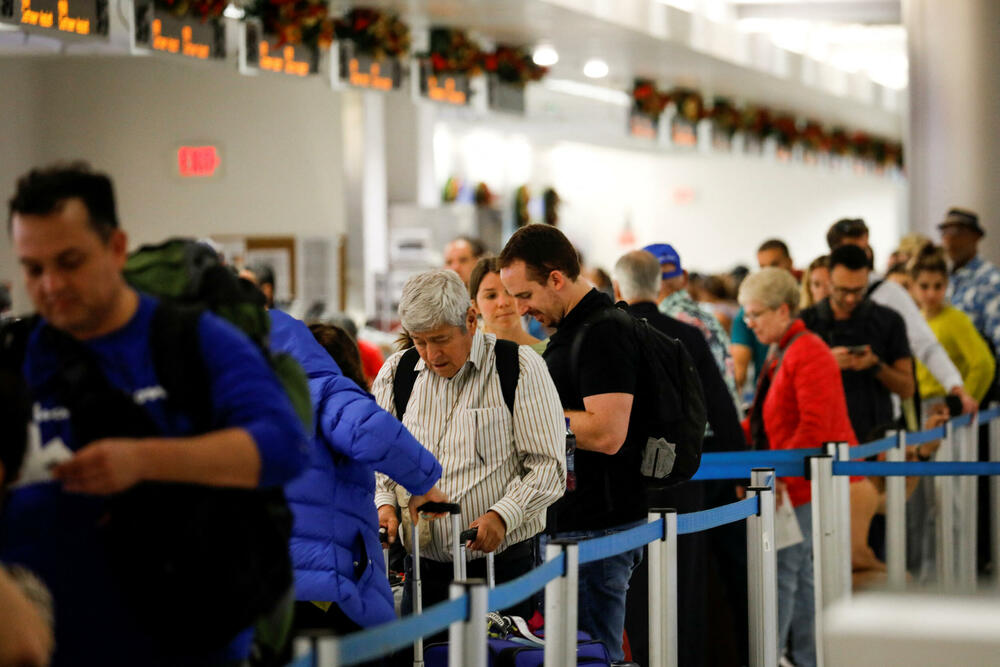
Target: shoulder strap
403 380
781 353
176 351
874 286
508 365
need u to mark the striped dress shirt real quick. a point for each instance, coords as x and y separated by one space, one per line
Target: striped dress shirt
514 464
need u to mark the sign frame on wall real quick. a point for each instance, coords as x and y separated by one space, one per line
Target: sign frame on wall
256 49
63 19
505 97
156 31
349 69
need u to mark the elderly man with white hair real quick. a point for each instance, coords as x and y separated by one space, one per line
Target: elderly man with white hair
490 413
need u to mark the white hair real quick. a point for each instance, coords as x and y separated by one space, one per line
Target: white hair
638 276
771 287
433 299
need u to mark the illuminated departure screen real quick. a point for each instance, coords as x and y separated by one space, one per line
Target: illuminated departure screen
364 71
188 37
268 55
87 18
446 88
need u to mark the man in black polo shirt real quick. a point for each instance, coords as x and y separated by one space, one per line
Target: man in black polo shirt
541 269
868 341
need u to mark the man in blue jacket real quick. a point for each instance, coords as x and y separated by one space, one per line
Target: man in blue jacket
339 569
67 240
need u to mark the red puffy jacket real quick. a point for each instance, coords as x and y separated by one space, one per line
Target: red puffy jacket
805 405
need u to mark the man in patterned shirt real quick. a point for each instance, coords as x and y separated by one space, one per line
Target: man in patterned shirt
675 301
974 286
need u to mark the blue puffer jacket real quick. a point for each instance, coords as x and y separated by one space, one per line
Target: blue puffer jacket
335 547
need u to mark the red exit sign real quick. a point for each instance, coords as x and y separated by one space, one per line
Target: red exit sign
198 161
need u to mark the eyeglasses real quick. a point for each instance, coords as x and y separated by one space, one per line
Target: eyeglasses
749 317
849 291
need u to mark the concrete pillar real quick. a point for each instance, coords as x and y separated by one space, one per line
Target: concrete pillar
953 147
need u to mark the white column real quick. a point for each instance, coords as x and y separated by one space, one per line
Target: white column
953 147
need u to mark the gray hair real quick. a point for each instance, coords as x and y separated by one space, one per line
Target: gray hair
433 299
771 287
638 275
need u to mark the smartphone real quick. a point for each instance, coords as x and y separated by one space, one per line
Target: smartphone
954 404
859 350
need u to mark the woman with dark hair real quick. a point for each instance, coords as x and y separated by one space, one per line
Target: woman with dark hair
497 307
342 347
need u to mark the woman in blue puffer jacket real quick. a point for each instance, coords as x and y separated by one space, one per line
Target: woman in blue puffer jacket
335 547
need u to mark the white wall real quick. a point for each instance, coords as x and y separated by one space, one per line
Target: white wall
716 209
280 143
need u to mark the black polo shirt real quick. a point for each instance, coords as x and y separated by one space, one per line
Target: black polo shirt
869 402
610 490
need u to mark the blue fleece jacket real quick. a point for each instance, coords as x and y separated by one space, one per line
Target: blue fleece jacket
335 545
55 534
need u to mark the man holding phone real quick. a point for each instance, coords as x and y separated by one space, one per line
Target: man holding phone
868 341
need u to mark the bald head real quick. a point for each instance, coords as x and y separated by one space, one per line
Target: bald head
637 276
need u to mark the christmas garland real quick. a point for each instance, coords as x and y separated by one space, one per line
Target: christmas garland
305 22
513 65
452 51
647 99
374 32
202 9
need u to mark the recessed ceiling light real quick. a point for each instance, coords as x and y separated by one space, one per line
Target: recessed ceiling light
595 68
545 56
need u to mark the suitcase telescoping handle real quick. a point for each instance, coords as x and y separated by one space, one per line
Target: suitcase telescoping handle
455 510
383 537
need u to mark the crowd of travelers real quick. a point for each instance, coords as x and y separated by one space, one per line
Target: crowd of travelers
191 476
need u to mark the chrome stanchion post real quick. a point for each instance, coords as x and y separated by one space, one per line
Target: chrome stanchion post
842 484
561 606
663 591
895 517
328 652
417 592
824 530
467 637
995 500
762 576
945 515
969 452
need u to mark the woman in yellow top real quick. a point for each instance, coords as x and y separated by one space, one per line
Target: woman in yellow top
497 307
952 327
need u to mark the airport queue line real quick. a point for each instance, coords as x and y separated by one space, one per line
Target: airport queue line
829 469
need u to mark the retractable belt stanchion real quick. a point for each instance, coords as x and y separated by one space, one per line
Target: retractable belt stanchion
995 500
825 550
945 514
842 488
327 652
895 517
467 638
663 591
762 572
561 606
969 452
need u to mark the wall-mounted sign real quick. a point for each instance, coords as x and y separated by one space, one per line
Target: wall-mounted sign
263 54
364 71
189 37
642 125
198 161
446 88
504 96
87 18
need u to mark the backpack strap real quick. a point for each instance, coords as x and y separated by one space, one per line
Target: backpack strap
175 347
874 286
508 365
403 380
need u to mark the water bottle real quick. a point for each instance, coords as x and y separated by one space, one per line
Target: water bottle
570 459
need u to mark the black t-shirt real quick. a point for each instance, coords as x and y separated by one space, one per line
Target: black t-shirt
610 490
869 402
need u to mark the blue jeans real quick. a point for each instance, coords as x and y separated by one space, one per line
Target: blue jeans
796 611
603 585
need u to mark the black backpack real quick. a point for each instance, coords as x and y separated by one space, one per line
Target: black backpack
668 392
506 361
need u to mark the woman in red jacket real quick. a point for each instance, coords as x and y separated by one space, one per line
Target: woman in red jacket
799 404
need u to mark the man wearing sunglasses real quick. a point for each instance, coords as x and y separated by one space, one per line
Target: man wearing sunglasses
923 342
868 341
